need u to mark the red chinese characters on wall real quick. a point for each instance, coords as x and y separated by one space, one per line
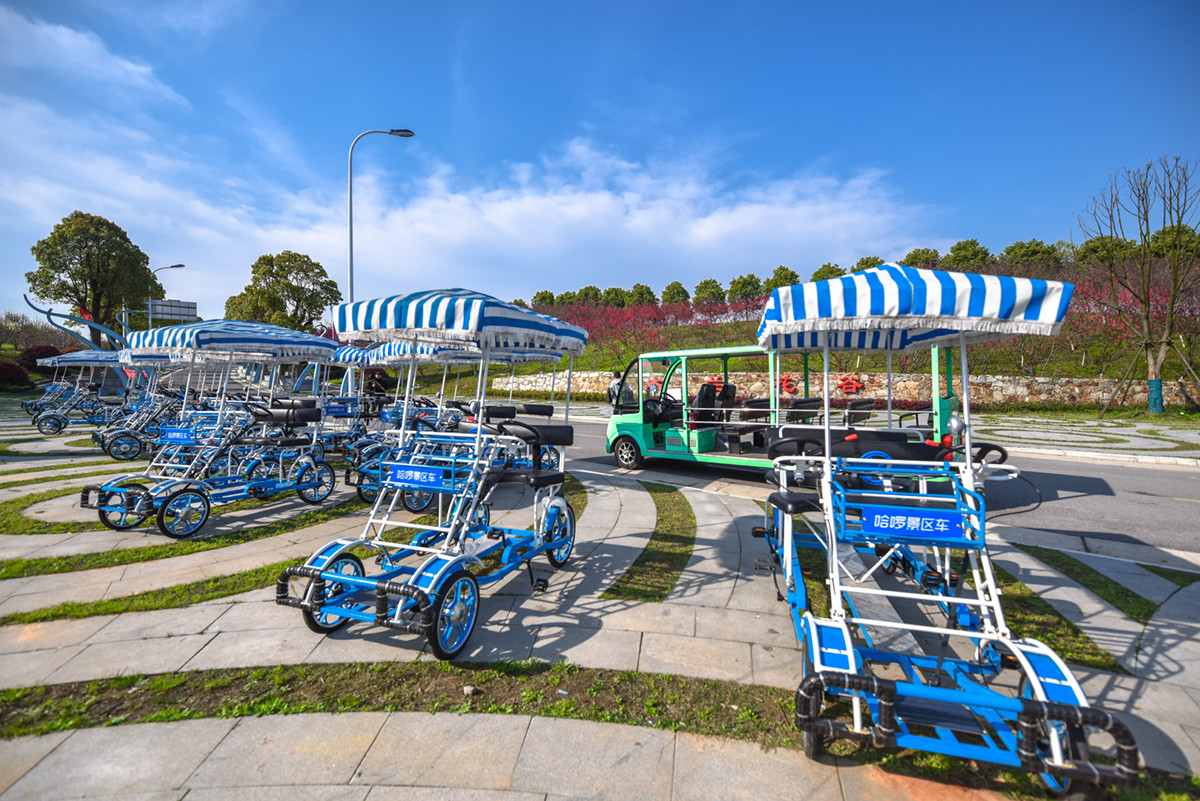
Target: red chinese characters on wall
850 385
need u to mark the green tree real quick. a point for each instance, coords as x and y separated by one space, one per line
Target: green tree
745 287
543 297
590 295
90 263
783 276
565 298
1033 254
967 256
1148 283
642 295
616 297
922 257
289 290
708 291
520 302
675 292
866 263
827 271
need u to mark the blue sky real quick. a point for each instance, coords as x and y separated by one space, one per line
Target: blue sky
560 144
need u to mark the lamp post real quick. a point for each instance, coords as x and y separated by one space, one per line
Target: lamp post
402 132
150 297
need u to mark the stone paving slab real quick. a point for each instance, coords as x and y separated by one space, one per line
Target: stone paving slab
120 762
1104 625
1138 579
290 750
416 748
20 755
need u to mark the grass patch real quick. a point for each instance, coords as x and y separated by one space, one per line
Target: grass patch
32 465
20 568
1183 578
59 477
746 713
1130 603
175 597
1028 615
660 564
575 493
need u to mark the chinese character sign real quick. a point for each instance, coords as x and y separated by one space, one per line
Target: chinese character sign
850 385
415 475
911 523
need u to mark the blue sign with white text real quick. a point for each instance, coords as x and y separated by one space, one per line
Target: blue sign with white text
416 475
886 521
180 436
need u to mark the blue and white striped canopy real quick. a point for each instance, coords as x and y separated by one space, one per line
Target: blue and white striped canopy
81 358
445 316
351 354
900 308
244 340
393 353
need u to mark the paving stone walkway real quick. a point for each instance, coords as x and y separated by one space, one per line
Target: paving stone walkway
721 621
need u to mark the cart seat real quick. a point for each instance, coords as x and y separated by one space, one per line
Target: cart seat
534 478
793 503
537 409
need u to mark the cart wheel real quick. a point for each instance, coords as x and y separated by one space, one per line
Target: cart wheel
454 613
368 493
561 535
124 447
627 453
318 451
183 514
416 501
324 622
550 459
482 518
122 520
325 479
265 468
50 425
1074 747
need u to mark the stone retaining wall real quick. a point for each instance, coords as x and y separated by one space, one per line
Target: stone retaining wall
985 389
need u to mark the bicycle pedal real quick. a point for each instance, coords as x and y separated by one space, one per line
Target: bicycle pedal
1009 662
540 585
932 580
495 534
758 532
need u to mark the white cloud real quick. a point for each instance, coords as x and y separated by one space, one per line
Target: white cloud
81 56
589 217
581 216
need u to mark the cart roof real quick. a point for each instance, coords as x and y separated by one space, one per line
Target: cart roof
901 308
246 340
448 316
81 358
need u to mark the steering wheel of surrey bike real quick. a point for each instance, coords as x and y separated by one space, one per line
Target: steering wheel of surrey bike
980 453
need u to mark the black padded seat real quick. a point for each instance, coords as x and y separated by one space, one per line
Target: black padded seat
537 409
294 403
491 413
534 478
793 503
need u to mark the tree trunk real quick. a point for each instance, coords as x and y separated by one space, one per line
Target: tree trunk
1155 357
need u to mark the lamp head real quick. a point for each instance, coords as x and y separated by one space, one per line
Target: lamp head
401 132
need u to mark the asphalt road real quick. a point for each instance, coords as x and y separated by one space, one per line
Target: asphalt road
1157 505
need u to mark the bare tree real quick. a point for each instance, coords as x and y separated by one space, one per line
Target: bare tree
1143 247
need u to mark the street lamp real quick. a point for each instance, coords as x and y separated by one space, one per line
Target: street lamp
150 297
402 132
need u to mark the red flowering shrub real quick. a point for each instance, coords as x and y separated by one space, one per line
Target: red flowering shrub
13 375
28 358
